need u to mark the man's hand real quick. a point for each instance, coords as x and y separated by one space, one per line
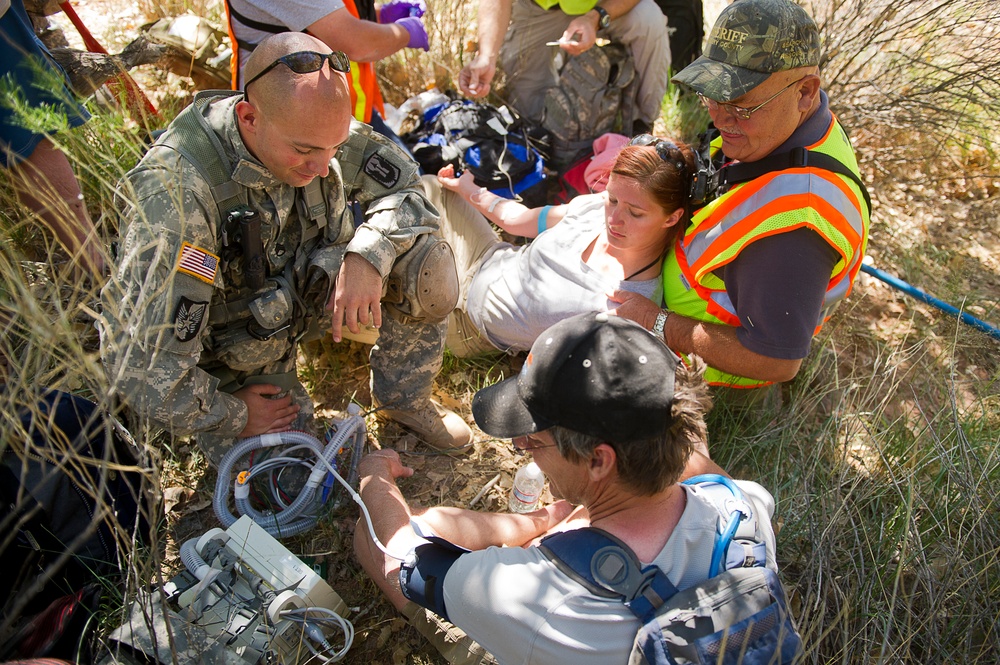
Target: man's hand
635 307
475 78
265 414
356 301
383 460
580 35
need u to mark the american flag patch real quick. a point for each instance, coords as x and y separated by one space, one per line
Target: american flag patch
197 262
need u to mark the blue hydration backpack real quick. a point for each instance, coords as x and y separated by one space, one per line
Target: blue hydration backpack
737 616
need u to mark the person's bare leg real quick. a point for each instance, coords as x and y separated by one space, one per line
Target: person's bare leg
49 187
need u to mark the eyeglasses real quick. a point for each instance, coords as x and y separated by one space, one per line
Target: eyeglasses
530 445
740 111
306 62
667 150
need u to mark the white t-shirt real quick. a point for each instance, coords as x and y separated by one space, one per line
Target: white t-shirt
518 292
522 609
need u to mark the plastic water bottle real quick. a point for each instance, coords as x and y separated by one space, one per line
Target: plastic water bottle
527 489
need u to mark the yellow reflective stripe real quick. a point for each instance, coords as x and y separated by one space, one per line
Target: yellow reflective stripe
571 7
715 236
360 98
716 377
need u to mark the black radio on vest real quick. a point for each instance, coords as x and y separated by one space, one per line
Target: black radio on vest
253 250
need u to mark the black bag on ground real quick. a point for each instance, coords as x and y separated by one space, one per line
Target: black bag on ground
69 497
504 153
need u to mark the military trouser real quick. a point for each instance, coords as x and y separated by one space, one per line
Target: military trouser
404 362
282 374
471 239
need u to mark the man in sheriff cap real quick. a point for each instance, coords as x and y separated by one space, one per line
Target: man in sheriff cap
761 267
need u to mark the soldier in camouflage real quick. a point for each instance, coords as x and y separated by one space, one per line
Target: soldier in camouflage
202 318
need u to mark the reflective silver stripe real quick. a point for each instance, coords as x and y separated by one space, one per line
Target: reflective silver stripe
785 184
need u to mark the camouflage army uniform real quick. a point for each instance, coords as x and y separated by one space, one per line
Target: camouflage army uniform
181 330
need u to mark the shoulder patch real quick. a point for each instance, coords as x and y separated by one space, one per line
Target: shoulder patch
382 171
188 317
197 262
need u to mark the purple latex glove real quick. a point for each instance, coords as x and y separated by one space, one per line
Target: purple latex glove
391 12
418 34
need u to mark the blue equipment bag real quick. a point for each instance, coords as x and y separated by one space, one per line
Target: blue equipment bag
736 616
504 154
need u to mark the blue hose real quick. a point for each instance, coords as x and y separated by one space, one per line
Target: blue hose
914 292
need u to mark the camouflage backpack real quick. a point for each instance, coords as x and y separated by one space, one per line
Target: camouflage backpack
595 95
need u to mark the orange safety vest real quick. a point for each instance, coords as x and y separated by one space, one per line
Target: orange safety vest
365 93
776 202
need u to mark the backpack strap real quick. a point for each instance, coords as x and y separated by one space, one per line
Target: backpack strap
251 23
191 136
608 568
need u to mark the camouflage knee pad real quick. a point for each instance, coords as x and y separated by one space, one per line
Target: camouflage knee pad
423 283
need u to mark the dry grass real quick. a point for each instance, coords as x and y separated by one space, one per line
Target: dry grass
886 502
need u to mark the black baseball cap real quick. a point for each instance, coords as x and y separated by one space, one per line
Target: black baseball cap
595 373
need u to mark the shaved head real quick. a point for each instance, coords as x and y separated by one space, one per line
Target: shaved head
281 86
293 122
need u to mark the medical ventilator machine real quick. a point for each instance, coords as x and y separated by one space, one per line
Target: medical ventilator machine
243 598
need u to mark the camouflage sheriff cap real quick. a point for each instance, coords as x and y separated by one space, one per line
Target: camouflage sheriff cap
751 40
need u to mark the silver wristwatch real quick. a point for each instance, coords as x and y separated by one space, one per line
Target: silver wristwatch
661 320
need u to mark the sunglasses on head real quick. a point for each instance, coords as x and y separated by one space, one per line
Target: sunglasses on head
667 150
305 62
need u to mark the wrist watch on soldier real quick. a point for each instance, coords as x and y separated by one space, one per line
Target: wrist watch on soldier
603 18
661 321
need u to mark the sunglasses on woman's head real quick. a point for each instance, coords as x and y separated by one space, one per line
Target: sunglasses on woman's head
667 150
306 62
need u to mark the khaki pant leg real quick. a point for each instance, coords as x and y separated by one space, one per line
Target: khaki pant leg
471 237
464 340
528 63
463 227
450 641
643 31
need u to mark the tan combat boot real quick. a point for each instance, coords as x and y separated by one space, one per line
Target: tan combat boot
435 425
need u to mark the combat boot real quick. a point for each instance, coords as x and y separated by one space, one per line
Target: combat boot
435 425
